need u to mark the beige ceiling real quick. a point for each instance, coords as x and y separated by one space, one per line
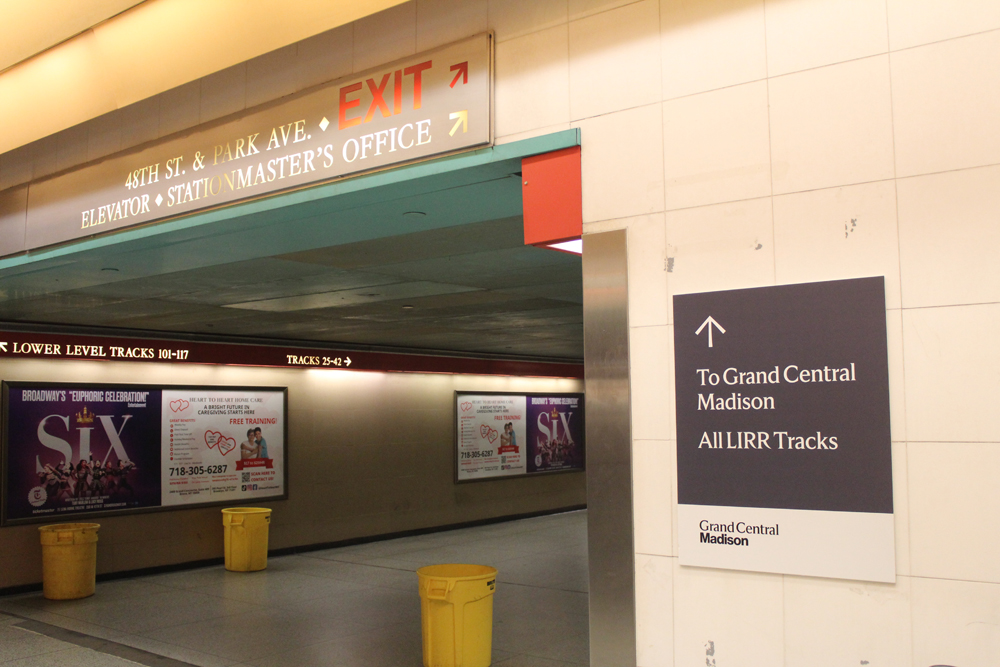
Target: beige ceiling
28 27
68 61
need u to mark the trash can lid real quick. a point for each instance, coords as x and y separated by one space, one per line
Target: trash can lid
64 534
76 527
457 571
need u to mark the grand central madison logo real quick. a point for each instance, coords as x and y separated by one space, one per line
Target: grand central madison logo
722 533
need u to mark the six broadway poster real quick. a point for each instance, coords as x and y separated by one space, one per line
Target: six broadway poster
73 449
503 435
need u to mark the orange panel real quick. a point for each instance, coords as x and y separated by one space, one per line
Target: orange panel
553 197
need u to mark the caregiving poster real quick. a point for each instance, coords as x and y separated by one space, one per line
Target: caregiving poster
506 435
74 450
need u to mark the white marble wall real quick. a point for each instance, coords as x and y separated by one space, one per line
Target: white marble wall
733 138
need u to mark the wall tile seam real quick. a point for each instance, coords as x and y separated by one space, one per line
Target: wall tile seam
540 131
813 68
770 155
880 54
668 211
500 40
948 171
831 187
582 119
954 579
713 90
905 552
900 282
976 304
601 226
719 202
940 41
946 442
591 15
528 34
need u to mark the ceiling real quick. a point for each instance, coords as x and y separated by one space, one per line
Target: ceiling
434 262
32 27
64 62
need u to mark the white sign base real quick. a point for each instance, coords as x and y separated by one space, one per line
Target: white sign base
841 545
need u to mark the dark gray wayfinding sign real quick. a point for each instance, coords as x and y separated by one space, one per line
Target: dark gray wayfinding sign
430 104
783 445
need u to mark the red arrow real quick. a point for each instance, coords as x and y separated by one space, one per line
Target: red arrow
463 71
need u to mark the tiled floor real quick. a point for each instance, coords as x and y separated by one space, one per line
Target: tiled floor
353 607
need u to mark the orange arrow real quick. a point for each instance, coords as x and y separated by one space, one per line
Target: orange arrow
463 120
463 71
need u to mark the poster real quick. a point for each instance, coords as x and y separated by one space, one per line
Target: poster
506 435
784 459
221 445
491 435
556 433
72 450
80 449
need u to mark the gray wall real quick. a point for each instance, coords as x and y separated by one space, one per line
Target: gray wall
369 454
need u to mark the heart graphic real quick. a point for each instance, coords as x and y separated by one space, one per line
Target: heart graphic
493 435
212 438
466 406
484 430
179 404
226 445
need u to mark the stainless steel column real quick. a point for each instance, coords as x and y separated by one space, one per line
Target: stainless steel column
609 450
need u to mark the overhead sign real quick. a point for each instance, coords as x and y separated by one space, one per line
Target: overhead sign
506 435
430 104
21 345
783 444
73 450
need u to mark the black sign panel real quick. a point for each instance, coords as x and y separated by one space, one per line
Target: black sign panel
783 397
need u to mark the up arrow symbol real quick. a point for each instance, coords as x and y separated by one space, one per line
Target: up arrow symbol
709 322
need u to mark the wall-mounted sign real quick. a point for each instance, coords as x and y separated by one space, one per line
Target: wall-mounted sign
506 435
75 450
20 345
430 104
783 444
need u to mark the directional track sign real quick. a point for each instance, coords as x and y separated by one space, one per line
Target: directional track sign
783 442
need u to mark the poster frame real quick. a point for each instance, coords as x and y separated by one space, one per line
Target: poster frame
7 385
557 394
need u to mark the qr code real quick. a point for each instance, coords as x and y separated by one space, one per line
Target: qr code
246 477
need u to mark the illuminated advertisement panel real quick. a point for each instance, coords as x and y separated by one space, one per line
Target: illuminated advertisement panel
76 450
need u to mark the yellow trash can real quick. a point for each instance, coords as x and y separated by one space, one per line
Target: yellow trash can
69 560
246 538
456 614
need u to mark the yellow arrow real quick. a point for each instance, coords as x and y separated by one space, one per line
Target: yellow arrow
463 120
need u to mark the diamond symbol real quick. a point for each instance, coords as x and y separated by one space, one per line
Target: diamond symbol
323 124
159 199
